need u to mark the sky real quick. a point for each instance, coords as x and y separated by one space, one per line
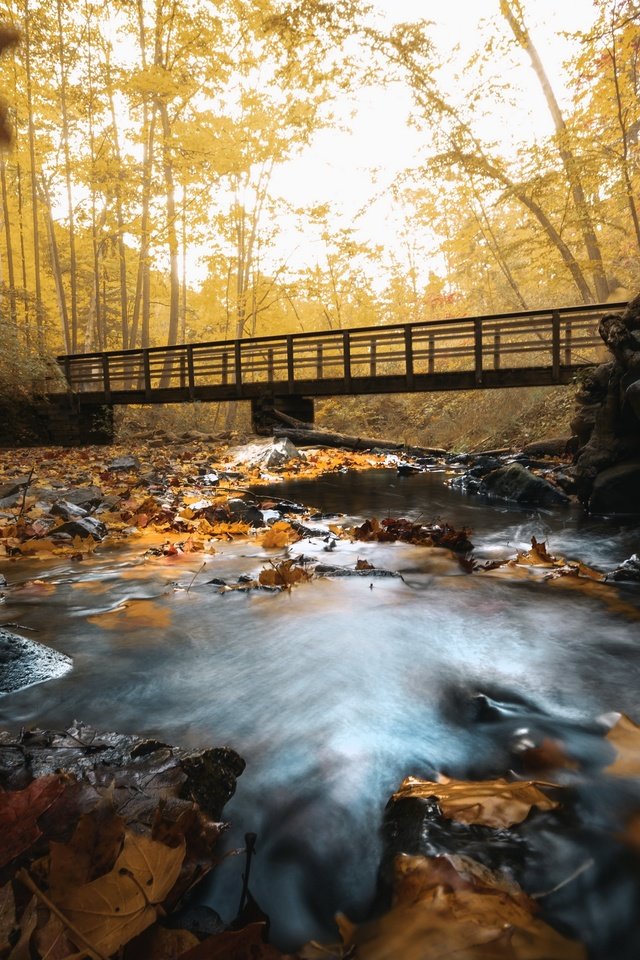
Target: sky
341 165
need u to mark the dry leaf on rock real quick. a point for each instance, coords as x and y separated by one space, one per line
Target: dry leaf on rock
281 534
19 812
118 906
284 574
447 907
493 803
28 921
625 738
538 556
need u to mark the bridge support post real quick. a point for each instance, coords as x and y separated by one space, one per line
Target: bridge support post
262 419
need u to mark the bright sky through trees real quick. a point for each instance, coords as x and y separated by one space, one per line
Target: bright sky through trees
356 167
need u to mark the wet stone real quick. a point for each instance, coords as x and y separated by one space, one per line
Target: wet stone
628 570
125 463
84 527
24 662
68 511
86 497
13 488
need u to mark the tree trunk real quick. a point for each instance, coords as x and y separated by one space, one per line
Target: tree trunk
570 164
9 245
55 266
122 250
73 268
34 180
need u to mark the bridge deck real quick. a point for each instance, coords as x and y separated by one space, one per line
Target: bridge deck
534 348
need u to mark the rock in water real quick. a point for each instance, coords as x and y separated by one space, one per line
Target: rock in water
617 490
628 570
24 662
515 482
267 453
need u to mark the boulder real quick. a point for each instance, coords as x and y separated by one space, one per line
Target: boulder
83 527
125 463
266 453
13 487
514 482
85 497
24 662
617 490
628 570
554 447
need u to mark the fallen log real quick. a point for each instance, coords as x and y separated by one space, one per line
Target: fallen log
321 438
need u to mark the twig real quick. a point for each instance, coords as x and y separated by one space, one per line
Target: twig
25 878
198 571
576 873
24 495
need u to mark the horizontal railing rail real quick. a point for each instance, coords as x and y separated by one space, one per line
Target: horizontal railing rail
350 360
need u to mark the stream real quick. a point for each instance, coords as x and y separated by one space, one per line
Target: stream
337 690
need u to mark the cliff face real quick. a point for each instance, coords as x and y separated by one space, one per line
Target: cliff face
607 421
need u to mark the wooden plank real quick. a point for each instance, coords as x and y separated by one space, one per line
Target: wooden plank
408 356
146 367
477 349
237 366
346 360
496 349
319 352
373 358
291 373
106 377
191 372
555 345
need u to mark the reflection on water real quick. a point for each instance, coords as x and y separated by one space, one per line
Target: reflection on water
334 692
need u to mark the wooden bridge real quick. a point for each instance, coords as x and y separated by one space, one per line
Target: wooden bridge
534 348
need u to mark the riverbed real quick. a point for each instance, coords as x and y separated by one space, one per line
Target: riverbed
335 691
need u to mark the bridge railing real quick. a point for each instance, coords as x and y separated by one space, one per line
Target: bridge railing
565 337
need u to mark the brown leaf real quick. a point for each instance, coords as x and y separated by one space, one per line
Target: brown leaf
284 574
447 907
246 944
494 803
28 920
625 738
364 565
19 812
7 915
118 906
90 853
538 556
161 943
281 534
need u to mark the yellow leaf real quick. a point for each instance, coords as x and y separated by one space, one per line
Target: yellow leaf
625 738
281 534
118 906
447 907
494 803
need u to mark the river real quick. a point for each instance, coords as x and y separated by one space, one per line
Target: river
337 690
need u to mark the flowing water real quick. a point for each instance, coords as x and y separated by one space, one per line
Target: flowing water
337 690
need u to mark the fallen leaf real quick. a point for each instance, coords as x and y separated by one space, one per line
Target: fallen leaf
538 556
118 906
493 803
625 738
284 574
7 915
447 907
364 565
135 613
90 853
280 534
20 810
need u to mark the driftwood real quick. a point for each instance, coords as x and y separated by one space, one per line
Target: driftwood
320 438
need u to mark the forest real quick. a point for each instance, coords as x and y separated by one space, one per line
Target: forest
144 194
